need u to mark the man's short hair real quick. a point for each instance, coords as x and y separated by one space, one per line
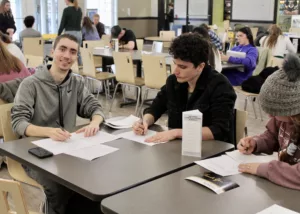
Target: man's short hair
191 48
29 21
115 31
96 15
205 26
65 36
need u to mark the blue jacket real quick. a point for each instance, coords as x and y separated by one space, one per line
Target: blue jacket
235 76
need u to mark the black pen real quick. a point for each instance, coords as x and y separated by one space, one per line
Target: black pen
60 126
246 148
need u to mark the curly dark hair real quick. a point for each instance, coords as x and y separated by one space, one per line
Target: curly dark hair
190 48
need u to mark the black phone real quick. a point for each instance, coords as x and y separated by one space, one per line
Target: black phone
40 152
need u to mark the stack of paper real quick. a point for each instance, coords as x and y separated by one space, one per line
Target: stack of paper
226 165
241 158
275 209
139 138
121 122
223 165
77 142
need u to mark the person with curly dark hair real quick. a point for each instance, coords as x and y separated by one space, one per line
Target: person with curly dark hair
194 85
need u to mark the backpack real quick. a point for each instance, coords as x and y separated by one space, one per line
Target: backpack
254 83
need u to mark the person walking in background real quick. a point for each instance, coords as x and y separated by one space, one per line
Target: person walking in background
170 16
277 42
100 26
71 22
89 31
7 22
29 32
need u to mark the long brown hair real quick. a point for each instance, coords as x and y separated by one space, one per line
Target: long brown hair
88 24
274 33
8 62
2 5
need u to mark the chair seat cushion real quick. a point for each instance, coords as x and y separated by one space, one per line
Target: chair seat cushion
104 76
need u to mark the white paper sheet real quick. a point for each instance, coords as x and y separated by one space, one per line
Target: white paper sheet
122 122
77 141
241 158
139 138
275 209
93 152
223 165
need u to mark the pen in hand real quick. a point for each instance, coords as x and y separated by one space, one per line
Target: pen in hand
62 128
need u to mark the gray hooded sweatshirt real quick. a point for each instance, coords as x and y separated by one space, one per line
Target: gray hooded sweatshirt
41 102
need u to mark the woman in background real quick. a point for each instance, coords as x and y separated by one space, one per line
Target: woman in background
214 55
7 22
71 22
12 48
10 66
277 42
246 45
89 31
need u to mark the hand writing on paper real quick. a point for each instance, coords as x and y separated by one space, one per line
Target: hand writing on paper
58 134
247 145
163 136
140 127
89 130
250 168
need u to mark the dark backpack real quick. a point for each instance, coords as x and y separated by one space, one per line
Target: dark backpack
254 83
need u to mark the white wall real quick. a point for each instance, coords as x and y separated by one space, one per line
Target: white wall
154 8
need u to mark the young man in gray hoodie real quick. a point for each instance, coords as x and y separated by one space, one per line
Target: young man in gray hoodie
50 99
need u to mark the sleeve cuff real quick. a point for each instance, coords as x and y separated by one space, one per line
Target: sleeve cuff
262 170
259 144
98 112
21 128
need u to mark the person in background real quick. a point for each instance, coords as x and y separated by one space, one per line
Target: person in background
127 39
100 26
277 42
46 105
71 22
170 16
10 66
13 48
214 56
279 97
214 37
246 45
7 22
194 85
89 31
29 32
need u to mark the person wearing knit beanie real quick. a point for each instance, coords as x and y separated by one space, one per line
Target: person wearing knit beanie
280 98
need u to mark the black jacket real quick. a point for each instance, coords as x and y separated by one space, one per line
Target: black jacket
213 96
101 29
7 21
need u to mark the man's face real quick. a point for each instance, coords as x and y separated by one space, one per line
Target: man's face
185 71
96 20
65 54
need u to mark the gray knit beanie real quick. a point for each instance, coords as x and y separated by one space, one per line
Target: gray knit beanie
280 94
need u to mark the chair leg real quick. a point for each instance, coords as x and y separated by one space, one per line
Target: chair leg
245 105
143 100
260 111
123 92
98 91
253 106
113 98
108 89
138 101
